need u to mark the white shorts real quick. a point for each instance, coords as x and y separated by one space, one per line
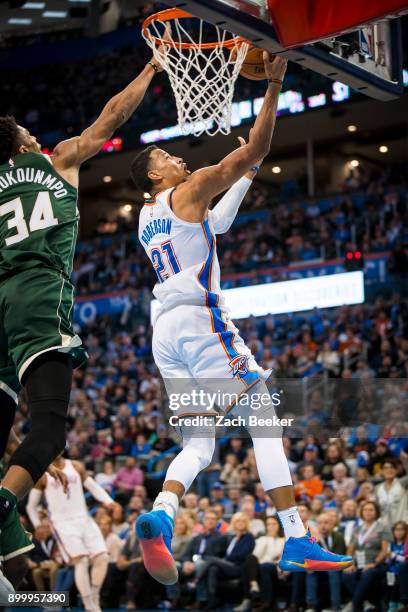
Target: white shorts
76 538
201 346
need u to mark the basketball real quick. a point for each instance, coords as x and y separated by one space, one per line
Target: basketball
253 67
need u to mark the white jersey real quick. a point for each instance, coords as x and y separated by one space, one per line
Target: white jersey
66 506
183 255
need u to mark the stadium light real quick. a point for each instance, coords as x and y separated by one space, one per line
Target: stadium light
19 21
354 163
383 149
107 179
34 5
352 128
55 14
276 169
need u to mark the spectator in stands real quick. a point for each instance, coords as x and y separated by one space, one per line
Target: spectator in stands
120 526
342 482
127 478
380 454
233 501
240 545
329 358
331 540
333 456
217 494
392 494
114 546
106 478
140 587
256 525
260 571
182 536
223 526
397 589
348 520
310 484
42 559
229 474
369 546
310 457
205 545
113 543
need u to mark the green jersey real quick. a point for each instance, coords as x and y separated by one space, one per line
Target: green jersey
38 216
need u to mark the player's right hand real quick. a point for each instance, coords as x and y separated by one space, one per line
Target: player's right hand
275 66
59 475
163 48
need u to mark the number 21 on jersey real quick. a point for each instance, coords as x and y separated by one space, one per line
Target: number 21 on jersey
165 261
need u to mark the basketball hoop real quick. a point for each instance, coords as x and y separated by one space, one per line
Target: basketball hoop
202 73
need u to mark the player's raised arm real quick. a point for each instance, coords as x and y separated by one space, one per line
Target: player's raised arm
70 154
192 198
73 152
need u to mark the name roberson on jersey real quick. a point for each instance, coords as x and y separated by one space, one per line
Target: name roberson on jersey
183 255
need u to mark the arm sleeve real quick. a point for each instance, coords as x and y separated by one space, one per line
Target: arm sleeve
223 214
96 491
32 506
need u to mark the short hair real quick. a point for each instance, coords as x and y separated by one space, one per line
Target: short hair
8 137
139 169
391 461
375 505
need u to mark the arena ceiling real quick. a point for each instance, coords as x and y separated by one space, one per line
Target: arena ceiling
19 18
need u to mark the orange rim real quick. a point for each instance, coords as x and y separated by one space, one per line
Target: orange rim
175 13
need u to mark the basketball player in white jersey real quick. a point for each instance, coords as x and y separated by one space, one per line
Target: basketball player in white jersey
195 342
79 538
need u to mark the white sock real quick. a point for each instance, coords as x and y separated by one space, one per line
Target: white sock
83 582
167 501
99 570
292 523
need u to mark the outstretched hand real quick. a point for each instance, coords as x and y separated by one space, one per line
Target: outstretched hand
59 476
275 66
162 49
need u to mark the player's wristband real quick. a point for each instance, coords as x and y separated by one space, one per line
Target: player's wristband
154 66
255 168
276 81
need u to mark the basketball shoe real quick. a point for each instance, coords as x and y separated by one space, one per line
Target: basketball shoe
155 531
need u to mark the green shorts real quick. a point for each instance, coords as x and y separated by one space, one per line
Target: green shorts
14 539
35 317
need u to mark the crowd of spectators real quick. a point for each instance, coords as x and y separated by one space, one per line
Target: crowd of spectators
228 540
369 215
352 490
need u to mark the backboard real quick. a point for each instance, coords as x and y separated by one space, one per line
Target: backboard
368 59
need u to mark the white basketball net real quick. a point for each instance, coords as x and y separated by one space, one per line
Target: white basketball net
202 79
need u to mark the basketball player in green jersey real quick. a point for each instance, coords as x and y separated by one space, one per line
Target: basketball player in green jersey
38 230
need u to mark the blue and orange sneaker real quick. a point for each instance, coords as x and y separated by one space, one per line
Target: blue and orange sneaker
304 554
155 531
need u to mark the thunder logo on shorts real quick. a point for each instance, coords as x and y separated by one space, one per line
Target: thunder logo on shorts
239 365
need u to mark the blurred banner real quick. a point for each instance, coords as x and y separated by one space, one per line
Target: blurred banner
375 271
292 296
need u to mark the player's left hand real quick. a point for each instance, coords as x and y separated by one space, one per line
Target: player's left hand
59 476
